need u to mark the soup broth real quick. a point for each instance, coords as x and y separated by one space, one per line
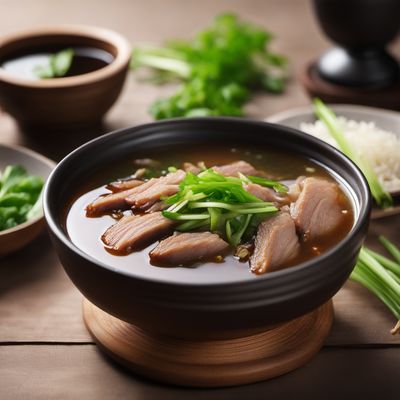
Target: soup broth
86 232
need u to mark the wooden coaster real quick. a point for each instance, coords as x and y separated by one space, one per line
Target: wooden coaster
211 363
315 86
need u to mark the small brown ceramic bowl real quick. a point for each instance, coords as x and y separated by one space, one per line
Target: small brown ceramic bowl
15 238
65 102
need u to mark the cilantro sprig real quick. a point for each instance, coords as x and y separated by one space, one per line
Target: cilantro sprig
219 69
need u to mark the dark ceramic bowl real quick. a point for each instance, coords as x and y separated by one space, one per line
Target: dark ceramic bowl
215 308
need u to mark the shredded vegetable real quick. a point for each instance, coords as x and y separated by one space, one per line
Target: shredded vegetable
220 204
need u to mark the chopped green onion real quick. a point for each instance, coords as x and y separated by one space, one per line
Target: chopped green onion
191 225
181 217
278 187
225 206
328 117
231 207
215 215
236 238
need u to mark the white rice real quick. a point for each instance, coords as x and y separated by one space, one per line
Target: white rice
381 148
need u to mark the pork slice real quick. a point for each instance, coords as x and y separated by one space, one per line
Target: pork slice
157 187
108 202
317 210
116 201
159 206
275 245
124 184
234 168
134 232
264 193
187 248
189 167
295 189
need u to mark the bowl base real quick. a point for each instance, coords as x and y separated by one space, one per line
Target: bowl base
316 86
211 363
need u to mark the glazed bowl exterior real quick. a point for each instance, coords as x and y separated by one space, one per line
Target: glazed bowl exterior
66 102
193 309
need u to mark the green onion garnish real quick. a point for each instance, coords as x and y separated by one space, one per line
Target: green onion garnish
220 204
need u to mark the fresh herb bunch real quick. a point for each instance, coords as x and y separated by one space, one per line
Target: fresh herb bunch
381 276
57 66
327 116
219 68
220 204
19 194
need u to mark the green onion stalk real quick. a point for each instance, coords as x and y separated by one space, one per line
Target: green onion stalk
381 276
328 117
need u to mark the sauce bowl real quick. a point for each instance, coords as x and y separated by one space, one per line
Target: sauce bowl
65 102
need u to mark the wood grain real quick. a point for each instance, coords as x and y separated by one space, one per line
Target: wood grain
81 372
211 363
38 303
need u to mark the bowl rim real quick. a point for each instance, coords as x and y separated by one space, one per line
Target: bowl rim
121 60
364 206
50 163
307 110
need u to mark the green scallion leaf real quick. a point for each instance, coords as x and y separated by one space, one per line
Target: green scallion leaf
328 117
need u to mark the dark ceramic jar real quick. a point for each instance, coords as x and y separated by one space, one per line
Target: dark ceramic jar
361 29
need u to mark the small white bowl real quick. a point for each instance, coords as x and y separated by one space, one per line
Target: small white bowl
15 238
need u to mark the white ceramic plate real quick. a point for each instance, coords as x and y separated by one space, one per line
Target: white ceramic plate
384 119
17 237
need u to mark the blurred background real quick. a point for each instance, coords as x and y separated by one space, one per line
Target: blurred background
296 35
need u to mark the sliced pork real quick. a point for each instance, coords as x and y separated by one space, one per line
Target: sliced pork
159 206
264 193
123 184
234 168
317 210
187 248
134 232
189 167
295 189
109 202
151 191
276 244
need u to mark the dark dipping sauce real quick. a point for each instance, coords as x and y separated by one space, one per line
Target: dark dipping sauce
86 232
85 60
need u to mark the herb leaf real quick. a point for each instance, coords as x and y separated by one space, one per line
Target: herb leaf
58 65
219 69
19 196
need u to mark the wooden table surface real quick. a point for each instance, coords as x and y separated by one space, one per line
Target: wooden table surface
45 350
